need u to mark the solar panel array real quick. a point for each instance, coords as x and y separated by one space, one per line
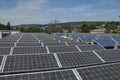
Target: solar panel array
29 50
105 40
29 62
40 56
78 59
105 72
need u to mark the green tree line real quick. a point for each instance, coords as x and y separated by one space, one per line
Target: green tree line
53 28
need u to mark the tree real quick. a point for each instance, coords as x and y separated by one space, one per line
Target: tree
34 29
2 27
84 28
8 26
92 26
53 27
68 27
111 27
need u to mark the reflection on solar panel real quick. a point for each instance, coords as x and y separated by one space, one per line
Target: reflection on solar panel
29 62
54 44
28 44
105 43
55 75
116 38
29 50
103 37
109 55
1 58
4 51
90 47
57 49
106 72
78 59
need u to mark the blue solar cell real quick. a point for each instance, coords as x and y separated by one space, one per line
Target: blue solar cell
74 37
86 39
103 37
118 41
116 38
60 34
106 43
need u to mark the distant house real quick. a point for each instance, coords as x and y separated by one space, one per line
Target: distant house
118 27
98 30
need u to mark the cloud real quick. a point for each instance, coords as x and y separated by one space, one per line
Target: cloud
31 4
39 11
24 10
78 8
36 10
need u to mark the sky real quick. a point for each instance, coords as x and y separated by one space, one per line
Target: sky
43 11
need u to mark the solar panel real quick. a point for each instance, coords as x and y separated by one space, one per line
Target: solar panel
46 39
90 47
54 44
106 43
8 41
29 50
67 40
6 44
61 38
77 43
31 61
27 38
86 39
60 34
55 41
53 75
116 37
109 55
57 49
4 51
105 72
21 63
103 37
28 44
75 37
28 41
117 40
78 59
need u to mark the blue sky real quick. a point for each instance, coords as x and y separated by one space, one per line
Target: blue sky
42 11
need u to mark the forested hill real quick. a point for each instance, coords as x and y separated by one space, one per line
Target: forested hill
62 24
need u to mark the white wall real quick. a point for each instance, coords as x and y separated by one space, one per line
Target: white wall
0 34
12 32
